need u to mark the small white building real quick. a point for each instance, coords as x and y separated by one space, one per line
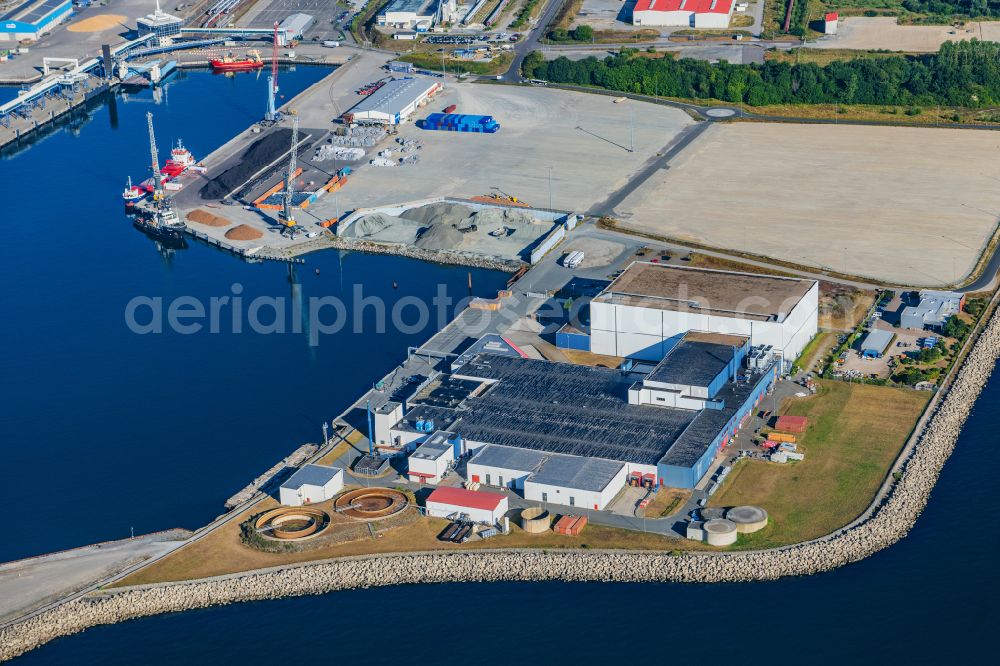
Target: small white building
310 484
480 507
430 462
384 417
683 13
296 26
830 21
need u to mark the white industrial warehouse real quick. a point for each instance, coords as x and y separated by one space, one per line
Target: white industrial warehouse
393 103
311 484
419 14
650 307
479 507
683 13
587 483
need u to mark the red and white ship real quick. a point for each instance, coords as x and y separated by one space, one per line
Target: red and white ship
132 193
181 160
230 63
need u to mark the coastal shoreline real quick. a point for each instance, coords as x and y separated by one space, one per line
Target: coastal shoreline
891 517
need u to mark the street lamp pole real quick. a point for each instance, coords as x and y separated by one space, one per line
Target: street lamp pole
550 187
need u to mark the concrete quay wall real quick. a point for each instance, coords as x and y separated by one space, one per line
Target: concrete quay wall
886 523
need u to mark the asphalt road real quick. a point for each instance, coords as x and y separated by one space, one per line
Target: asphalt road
530 44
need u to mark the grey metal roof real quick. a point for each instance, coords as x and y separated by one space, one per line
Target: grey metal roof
591 474
393 97
692 363
506 457
311 475
431 450
491 343
877 340
412 6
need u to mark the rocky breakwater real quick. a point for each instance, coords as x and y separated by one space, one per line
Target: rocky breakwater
885 523
434 256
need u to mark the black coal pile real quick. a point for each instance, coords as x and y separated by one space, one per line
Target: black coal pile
263 151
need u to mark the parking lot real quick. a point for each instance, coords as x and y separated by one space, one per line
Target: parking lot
326 13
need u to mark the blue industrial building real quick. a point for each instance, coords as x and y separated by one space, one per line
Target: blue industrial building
30 19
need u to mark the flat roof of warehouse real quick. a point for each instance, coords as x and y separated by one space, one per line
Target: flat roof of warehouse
591 474
393 96
711 291
506 457
32 11
563 408
551 469
696 6
312 475
411 6
692 363
431 450
584 411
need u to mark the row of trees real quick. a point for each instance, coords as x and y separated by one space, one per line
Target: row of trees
963 73
971 8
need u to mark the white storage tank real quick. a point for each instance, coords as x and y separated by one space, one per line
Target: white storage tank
720 532
748 519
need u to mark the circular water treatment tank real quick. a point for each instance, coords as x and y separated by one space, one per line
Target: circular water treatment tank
535 520
720 532
712 513
747 518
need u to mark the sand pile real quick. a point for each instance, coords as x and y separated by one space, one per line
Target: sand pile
447 213
204 217
440 236
243 233
98 23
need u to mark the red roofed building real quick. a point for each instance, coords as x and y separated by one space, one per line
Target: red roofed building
830 23
683 13
447 502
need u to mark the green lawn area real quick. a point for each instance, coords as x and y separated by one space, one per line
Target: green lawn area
855 433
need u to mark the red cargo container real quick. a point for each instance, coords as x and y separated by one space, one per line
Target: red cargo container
796 424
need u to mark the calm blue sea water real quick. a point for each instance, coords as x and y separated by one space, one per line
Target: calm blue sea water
104 430
111 429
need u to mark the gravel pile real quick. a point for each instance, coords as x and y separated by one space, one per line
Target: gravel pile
263 151
443 212
204 217
360 137
440 236
243 232
880 527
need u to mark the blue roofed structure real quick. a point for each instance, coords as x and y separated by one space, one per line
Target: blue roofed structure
28 20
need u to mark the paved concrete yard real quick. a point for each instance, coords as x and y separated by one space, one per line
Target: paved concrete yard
864 33
27 584
584 138
908 205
